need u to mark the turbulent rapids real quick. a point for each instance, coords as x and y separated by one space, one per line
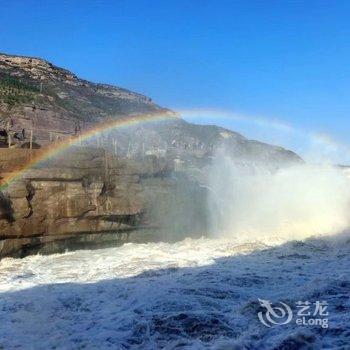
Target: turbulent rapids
192 294
280 237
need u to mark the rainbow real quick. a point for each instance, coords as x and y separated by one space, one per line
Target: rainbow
62 145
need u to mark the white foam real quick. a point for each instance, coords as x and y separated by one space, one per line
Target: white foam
294 202
198 293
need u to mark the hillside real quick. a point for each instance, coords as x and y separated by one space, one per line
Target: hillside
55 103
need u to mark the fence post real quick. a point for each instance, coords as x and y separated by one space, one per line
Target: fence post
115 146
106 166
31 139
107 180
129 148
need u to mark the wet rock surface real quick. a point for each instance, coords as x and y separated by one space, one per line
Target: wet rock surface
81 194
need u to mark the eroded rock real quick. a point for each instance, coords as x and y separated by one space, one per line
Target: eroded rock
85 195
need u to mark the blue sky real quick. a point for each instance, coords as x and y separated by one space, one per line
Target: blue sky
281 61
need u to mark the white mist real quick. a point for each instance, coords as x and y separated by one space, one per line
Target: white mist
249 201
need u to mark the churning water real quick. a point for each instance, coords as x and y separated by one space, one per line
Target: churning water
197 293
192 294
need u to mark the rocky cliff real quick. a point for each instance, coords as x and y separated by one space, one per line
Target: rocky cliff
87 196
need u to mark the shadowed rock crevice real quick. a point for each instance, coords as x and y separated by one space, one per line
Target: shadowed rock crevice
29 197
6 210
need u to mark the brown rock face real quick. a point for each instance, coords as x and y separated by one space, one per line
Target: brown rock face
84 192
53 102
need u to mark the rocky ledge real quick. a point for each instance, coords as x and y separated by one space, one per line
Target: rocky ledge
87 196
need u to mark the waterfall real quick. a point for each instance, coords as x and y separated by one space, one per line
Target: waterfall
250 200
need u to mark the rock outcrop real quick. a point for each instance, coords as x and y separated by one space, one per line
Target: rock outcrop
88 196
86 191
53 102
